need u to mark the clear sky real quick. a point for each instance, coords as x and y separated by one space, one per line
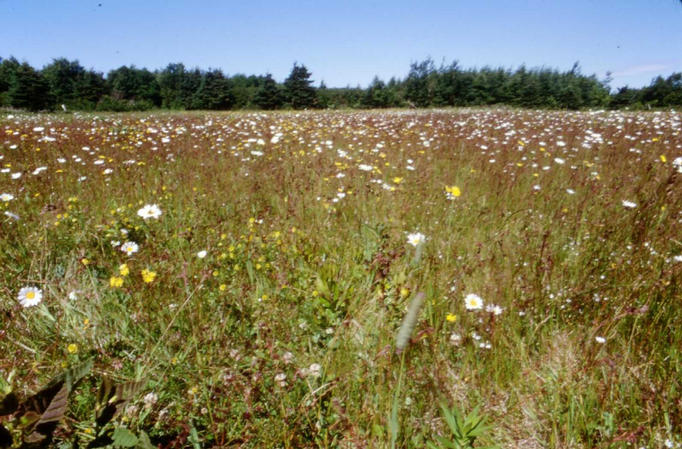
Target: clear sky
349 42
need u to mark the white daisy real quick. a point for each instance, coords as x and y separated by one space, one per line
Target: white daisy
473 302
130 248
416 238
149 211
30 296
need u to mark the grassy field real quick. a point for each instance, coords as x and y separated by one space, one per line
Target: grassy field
243 277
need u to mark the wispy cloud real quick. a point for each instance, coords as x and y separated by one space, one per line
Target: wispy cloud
641 69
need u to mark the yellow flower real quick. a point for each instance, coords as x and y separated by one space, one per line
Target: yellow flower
404 292
85 261
72 348
397 180
115 281
123 269
148 276
451 317
453 190
222 287
663 158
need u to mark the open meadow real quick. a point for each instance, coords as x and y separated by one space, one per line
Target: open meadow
240 279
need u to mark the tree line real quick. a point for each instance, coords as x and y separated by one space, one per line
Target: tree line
67 84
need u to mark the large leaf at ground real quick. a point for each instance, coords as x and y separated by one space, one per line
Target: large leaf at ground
112 398
47 423
5 438
9 404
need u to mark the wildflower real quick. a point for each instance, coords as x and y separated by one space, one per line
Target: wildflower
123 269
678 258
629 204
148 276
149 211
315 370
72 348
455 339
663 158
130 248
281 379
30 296
150 399
451 317
473 302
677 162
6 197
201 254
365 167
494 309
115 281
452 192
416 238
600 340
73 295
11 215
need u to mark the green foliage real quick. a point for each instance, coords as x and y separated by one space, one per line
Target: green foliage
28 89
298 89
269 96
464 430
38 415
128 88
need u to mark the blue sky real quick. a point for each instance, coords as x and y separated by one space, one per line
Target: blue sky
349 42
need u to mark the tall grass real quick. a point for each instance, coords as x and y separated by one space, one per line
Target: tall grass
284 334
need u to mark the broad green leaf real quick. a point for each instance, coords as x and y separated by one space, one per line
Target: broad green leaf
123 437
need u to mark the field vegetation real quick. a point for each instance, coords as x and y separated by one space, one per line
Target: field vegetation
341 279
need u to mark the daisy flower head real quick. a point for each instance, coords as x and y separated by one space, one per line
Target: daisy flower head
201 254
130 248
30 296
494 309
677 163
6 197
416 238
149 211
473 302
629 204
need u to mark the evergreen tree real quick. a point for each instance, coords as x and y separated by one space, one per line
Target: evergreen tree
170 82
63 77
214 92
8 69
28 89
89 89
131 83
298 88
269 95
